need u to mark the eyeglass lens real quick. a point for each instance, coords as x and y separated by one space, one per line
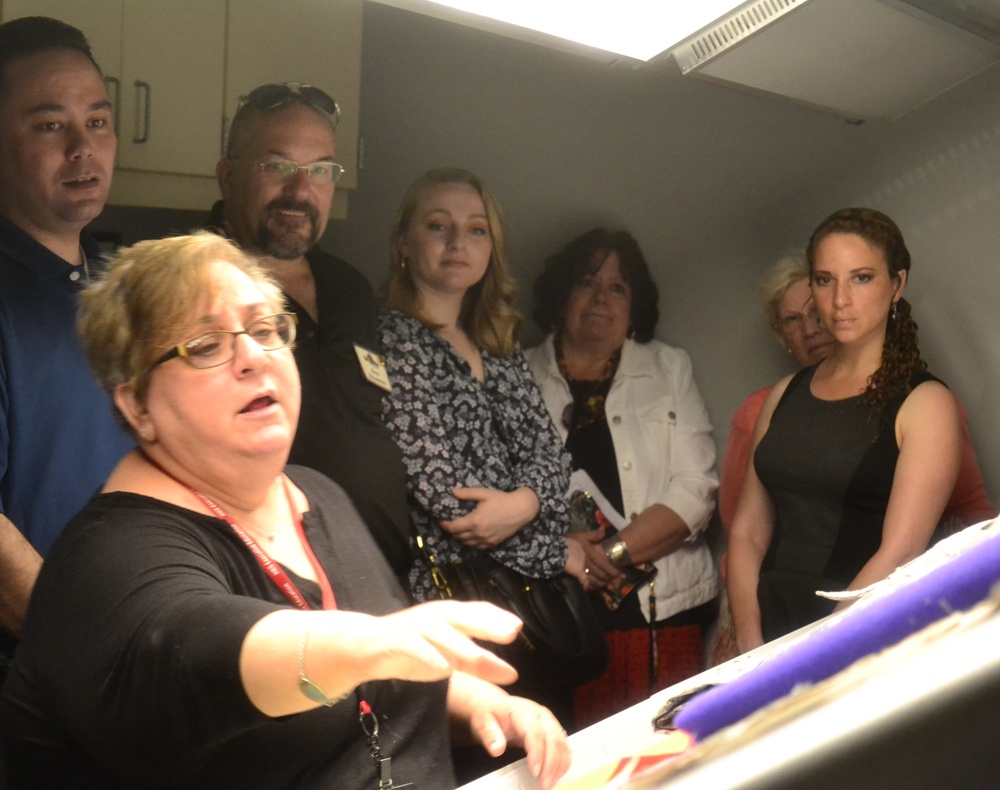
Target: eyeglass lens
320 172
217 348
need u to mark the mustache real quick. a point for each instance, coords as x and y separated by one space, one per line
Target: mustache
284 204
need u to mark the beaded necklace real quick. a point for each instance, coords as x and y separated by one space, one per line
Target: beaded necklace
587 406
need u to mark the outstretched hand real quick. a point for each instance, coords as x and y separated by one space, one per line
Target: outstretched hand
339 650
429 641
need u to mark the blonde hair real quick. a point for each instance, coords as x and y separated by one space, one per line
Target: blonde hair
787 271
131 315
488 315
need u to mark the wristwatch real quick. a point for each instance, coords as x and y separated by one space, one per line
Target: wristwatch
616 551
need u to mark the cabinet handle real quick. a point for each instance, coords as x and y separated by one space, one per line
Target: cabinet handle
224 136
143 97
115 89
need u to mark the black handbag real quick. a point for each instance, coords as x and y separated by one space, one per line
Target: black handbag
562 643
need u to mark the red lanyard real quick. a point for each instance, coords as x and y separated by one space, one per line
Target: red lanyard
274 571
366 717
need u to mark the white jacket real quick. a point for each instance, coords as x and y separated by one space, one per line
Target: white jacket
665 453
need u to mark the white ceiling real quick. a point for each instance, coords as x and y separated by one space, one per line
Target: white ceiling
862 59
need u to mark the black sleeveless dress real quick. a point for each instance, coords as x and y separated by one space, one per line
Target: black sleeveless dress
828 467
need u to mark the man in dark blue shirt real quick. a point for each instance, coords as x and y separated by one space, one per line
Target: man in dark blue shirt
58 438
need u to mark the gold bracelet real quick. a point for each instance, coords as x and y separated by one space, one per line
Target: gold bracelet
616 551
309 689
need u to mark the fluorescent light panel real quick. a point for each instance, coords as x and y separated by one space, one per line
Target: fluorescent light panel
638 29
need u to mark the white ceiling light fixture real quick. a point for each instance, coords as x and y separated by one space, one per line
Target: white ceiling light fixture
640 29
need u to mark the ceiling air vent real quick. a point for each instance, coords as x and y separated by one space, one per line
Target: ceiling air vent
730 31
859 58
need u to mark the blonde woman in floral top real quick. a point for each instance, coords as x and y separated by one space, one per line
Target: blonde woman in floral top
486 468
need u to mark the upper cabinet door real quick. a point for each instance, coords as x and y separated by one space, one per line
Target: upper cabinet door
99 20
173 61
176 70
164 62
316 42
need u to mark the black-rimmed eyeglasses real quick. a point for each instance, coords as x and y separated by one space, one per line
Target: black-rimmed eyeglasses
274 94
212 349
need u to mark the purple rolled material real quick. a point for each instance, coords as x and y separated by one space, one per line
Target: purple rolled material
956 586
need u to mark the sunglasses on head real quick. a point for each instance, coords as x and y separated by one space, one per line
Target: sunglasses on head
274 94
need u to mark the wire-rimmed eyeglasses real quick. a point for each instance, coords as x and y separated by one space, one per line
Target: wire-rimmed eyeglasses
285 169
218 347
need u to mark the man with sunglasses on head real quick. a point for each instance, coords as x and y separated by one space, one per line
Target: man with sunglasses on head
58 438
277 181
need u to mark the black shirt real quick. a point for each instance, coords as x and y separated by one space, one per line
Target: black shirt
127 673
828 465
340 431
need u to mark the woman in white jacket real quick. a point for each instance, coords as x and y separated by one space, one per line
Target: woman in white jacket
631 416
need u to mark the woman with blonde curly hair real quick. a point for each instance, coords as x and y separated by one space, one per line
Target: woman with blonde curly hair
486 469
487 307
854 458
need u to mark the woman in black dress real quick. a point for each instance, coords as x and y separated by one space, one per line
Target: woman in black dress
855 457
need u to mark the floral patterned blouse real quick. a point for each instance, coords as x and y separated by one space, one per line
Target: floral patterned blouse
457 431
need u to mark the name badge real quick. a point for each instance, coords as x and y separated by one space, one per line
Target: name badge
373 368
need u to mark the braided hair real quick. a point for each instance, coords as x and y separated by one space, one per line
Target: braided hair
900 352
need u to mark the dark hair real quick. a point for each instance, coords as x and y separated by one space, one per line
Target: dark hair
564 269
900 352
29 35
